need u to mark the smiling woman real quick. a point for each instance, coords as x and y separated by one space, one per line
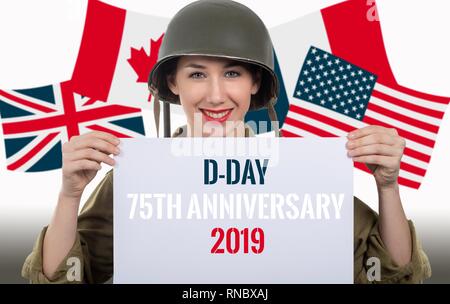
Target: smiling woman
217 61
218 70
214 90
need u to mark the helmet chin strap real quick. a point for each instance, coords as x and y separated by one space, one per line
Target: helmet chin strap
156 112
273 118
166 111
156 107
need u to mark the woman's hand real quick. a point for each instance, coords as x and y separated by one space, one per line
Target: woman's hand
82 156
381 149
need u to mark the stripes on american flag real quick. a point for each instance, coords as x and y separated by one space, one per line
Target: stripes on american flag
333 97
37 121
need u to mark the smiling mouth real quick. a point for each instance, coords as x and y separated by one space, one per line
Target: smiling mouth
216 115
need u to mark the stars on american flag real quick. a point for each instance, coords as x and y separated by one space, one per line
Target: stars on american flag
333 83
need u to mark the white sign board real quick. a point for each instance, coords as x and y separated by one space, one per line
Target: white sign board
238 210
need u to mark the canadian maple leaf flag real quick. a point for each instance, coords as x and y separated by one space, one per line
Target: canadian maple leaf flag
117 52
336 70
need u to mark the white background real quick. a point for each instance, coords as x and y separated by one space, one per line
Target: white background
39 45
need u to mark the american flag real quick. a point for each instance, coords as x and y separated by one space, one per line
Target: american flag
333 97
37 121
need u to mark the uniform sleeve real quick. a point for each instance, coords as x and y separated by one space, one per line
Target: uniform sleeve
93 247
368 244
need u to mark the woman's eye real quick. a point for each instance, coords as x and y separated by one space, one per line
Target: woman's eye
196 75
232 74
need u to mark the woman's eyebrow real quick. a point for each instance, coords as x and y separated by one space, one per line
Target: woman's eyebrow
195 66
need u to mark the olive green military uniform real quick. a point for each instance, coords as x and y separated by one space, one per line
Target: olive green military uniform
94 244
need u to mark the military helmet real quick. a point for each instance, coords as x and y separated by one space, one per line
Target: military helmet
219 28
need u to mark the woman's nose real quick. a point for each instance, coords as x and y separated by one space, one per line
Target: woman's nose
216 92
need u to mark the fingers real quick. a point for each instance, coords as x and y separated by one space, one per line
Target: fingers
101 141
376 138
376 145
91 154
358 133
381 160
91 147
378 149
374 135
82 164
100 135
97 144
82 158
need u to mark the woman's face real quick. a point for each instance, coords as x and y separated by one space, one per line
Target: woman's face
215 94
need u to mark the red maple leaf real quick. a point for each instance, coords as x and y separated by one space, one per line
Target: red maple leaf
142 63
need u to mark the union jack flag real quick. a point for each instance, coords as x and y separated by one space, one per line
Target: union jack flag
37 121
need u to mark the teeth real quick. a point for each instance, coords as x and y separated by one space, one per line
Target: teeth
216 115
